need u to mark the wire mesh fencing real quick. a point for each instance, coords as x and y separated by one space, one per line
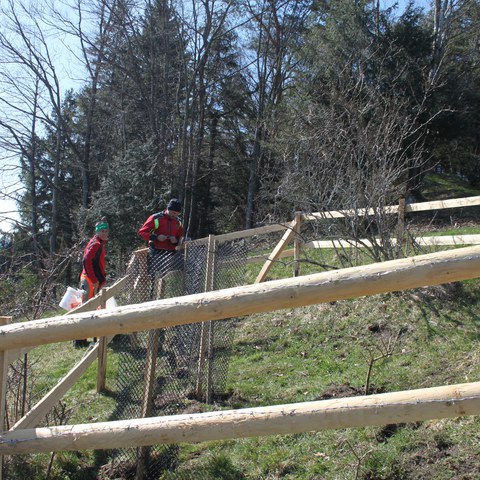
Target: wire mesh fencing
173 370
167 371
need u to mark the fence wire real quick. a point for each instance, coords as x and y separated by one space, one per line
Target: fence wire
166 371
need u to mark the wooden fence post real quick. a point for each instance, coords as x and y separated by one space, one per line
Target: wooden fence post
102 351
297 244
143 278
3 386
401 227
151 366
206 336
154 337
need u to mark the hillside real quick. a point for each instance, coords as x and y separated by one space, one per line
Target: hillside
418 339
384 343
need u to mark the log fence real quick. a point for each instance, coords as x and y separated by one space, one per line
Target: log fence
401 209
43 406
381 409
395 275
412 272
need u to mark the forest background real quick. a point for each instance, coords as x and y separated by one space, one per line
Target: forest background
246 110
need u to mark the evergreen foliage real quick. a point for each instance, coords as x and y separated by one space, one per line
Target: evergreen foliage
246 111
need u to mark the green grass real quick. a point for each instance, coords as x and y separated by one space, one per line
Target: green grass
440 187
311 353
302 354
460 230
84 405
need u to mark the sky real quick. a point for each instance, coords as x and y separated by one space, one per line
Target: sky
403 3
9 182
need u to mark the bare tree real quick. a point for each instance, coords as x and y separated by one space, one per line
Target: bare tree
204 26
444 13
274 28
94 28
356 149
24 43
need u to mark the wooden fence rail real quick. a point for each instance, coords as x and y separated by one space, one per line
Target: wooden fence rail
434 241
36 414
386 408
401 209
391 209
394 275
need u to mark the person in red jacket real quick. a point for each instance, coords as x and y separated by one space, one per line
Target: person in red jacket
164 233
93 276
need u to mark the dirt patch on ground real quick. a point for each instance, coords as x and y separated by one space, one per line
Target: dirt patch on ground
340 391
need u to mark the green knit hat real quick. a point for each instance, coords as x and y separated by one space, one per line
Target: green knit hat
101 226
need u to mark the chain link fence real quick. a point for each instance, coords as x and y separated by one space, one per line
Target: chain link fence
171 370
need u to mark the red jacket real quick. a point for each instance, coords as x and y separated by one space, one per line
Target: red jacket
161 224
94 261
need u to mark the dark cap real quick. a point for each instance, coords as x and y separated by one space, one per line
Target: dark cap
175 205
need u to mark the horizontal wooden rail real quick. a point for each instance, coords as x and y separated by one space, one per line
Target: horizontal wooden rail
386 408
432 241
391 209
444 240
226 237
96 301
443 204
359 212
448 240
38 412
431 269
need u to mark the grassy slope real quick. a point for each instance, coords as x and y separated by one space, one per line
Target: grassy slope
441 187
324 351
320 352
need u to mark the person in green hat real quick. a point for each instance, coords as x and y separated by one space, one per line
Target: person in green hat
93 276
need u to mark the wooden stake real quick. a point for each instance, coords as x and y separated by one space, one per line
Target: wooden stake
282 244
3 387
102 352
205 335
401 228
297 245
